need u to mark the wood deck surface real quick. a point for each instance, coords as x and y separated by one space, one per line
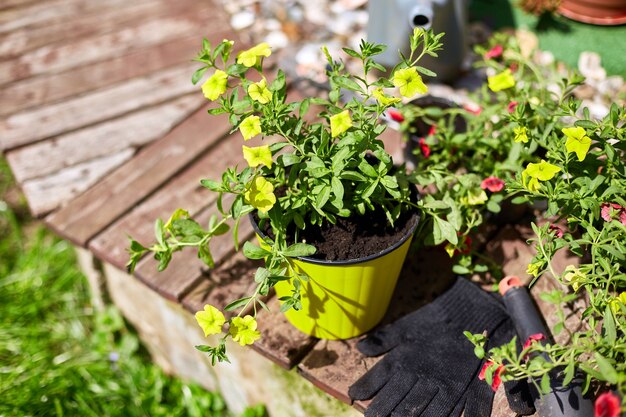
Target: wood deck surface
104 133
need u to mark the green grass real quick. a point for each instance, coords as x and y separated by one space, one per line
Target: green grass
565 38
59 357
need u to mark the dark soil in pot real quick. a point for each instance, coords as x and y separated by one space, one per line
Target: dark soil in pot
355 237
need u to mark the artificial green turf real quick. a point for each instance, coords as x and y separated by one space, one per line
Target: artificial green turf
565 38
59 357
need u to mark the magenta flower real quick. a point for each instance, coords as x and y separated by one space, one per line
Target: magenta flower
557 230
613 211
432 130
511 107
395 115
493 184
607 405
424 148
494 52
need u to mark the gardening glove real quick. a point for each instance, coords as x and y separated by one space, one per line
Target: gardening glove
430 364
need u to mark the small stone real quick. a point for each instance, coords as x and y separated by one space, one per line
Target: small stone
277 39
597 110
352 4
590 66
242 20
584 91
611 86
309 54
544 58
528 42
315 12
272 24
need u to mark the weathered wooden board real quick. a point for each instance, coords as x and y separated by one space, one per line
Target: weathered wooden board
183 191
92 211
22 40
139 93
60 57
51 88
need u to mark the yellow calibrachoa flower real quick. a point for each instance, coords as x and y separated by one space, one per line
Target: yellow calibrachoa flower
574 277
339 123
409 82
542 171
384 99
243 330
534 269
250 127
260 155
215 86
250 57
577 141
259 92
475 197
210 320
521 134
615 303
260 195
501 81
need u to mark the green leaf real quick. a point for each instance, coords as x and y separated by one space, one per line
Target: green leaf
352 53
461 270
237 304
159 232
368 170
322 197
352 176
252 251
346 83
545 384
610 333
609 373
198 74
261 275
299 249
442 231
568 374
289 159
337 187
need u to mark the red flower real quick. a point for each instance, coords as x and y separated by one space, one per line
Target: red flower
494 52
533 338
395 115
497 375
511 107
610 210
513 67
607 405
473 108
424 148
432 130
493 184
557 230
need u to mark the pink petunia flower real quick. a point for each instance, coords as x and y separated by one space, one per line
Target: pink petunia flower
473 108
557 230
511 107
607 405
497 375
424 148
395 115
613 211
493 184
494 52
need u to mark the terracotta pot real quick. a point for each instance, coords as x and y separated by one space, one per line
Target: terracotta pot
597 12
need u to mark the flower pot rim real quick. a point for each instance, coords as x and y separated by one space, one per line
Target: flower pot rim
408 235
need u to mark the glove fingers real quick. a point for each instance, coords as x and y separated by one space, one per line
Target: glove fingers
373 380
478 399
391 394
415 401
381 341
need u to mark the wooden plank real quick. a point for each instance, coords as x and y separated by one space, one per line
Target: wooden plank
7 4
30 126
56 58
335 365
188 268
183 191
45 194
22 40
101 205
132 131
54 87
40 13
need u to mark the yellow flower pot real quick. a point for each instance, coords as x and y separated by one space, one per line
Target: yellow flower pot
344 299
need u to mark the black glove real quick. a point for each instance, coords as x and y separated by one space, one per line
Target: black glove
431 368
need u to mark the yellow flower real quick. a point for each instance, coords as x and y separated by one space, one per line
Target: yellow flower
475 197
534 269
501 81
615 303
409 82
450 248
259 92
210 320
250 57
250 127
521 134
577 141
260 155
339 123
384 99
260 195
215 86
243 330
574 277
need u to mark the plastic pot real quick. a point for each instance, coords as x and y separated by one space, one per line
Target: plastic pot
344 299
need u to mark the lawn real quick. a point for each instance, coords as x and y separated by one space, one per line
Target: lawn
60 357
